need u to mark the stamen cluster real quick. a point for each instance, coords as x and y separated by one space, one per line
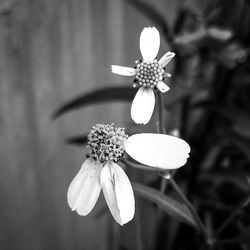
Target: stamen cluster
106 143
148 74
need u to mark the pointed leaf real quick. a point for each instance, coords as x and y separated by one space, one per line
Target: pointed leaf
78 140
122 93
169 205
81 140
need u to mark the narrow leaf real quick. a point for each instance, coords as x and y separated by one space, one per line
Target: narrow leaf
169 205
123 93
81 140
77 140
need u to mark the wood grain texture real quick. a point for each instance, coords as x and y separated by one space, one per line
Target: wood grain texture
50 51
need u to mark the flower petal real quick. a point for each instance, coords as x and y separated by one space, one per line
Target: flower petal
118 193
158 150
149 43
162 87
166 59
143 105
124 71
85 188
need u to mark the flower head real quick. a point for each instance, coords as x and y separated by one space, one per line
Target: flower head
149 75
100 171
106 143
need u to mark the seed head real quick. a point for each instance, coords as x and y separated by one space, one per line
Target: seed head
106 143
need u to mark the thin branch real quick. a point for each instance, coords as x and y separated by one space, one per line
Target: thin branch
160 123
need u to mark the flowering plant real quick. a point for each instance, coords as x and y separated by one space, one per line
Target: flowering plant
101 171
149 75
207 114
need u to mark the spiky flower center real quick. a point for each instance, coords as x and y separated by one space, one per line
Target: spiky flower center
148 74
106 143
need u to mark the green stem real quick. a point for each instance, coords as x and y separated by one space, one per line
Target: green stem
162 190
161 129
160 122
116 236
138 235
231 217
191 208
163 185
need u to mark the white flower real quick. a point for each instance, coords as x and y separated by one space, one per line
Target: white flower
149 75
158 150
100 171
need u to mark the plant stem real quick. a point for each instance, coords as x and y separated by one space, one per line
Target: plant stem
160 122
191 209
160 130
244 202
163 185
138 232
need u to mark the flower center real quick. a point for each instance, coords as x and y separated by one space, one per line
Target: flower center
106 143
148 74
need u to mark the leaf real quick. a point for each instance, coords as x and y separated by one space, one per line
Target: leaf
80 140
123 93
169 205
77 140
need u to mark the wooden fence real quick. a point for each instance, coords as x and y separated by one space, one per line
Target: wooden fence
51 51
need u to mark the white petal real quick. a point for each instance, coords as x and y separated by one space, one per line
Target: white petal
162 87
149 43
85 188
143 105
166 59
118 193
158 150
124 71
124 193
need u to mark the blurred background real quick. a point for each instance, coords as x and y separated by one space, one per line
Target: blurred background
52 51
